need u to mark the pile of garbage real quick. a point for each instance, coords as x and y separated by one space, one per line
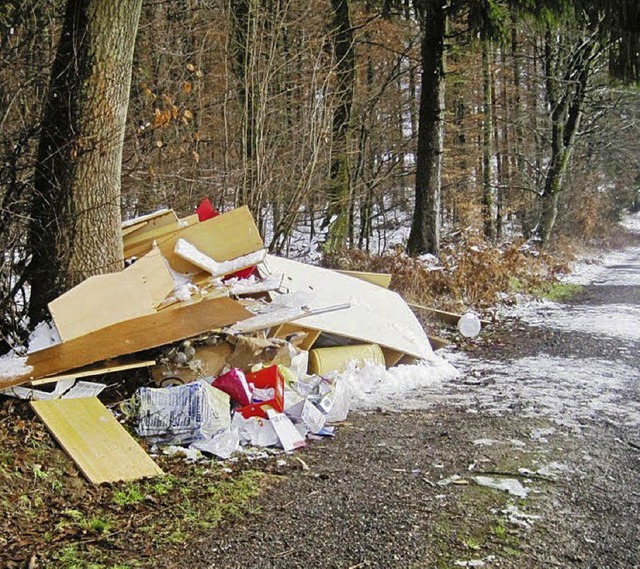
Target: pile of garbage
242 347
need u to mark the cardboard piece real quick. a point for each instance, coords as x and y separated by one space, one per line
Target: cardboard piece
103 300
290 438
96 442
208 361
131 336
375 315
249 351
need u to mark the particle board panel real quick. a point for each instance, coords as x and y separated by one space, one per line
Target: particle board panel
94 439
104 368
392 357
288 328
141 242
380 279
148 222
131 336
450 318
103 300
375 315
225 237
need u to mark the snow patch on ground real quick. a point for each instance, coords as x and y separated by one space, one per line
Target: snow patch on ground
568 391
373 386
11 366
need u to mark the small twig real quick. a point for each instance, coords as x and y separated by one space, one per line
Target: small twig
634 446
531 475
284 553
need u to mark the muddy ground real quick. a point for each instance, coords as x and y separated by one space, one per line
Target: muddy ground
549 412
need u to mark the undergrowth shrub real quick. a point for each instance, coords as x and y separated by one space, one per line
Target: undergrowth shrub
470 272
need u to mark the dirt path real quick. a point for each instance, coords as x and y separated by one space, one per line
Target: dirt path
548 406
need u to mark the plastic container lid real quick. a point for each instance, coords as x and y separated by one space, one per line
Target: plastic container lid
469 325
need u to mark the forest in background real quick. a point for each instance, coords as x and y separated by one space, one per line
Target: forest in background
309 113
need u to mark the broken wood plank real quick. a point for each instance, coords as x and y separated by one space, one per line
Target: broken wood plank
391 357
105 368
450 318
131 336
225 237
103 300
437 343
380 279
149 222
140 243
93 438
289 328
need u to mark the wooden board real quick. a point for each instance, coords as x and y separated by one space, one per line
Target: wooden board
392 357
96 442
225 237
141 242
149 222
103 300
104 368
375 315
131 336
285 330
380 279
450 318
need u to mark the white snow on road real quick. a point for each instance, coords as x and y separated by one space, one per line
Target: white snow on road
568 391
621 321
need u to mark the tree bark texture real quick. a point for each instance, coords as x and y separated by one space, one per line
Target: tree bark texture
488 192
340 182
425 228
75 211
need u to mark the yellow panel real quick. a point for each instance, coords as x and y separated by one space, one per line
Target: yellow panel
380 279
97 443
103 300
325 360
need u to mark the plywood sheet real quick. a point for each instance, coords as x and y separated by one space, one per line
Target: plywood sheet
376 315
289 328
111 366
103 300
380 279
96 442
131 336
140 242
225 237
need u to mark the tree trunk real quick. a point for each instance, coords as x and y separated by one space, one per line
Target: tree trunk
425 228
488 192
75 210
566 84
340 185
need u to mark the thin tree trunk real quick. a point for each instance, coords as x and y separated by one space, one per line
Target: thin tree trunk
75 226
488 193
338 212
425 228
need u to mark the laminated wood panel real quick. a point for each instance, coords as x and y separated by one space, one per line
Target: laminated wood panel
103 300
96 442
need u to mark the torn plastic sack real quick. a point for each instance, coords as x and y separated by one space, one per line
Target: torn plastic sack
234 383
336 403
255 431
183 414
222 445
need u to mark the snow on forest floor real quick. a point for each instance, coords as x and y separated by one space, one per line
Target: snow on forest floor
566 389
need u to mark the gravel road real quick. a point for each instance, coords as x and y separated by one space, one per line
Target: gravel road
531 458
